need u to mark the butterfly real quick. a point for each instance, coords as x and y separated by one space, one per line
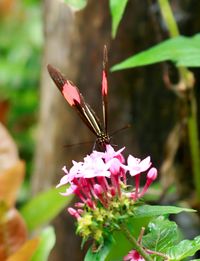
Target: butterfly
75 99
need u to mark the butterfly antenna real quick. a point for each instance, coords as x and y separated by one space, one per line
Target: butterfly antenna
127 126
77 144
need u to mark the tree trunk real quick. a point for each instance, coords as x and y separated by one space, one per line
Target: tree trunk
58 125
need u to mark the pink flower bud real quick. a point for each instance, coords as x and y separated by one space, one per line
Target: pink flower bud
90 203
80 211
112 191
73 212
152 174
98 189
79 205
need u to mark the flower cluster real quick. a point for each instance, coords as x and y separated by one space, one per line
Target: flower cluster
100 182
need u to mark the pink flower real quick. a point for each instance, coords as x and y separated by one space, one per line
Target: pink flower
136 166
114 166
110 153
71 174
102 176
133 255
94 167
71 190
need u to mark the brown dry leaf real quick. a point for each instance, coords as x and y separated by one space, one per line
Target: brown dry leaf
10 182
8 150
6 7
26 252
13 232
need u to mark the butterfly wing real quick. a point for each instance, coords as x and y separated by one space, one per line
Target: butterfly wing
104 91
76 100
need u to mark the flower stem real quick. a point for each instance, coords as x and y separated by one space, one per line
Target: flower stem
190 101
135 244
168 17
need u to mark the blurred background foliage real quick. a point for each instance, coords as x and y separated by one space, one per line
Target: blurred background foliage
21 42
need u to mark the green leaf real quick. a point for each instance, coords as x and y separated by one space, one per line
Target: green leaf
47 241
101 254
43 208
163 234
120 247
152 211
184 249
184 51
117 8
76 4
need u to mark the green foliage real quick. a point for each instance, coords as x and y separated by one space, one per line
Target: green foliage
101 254
43 208
152 211
21 41
47 241
117 8
162 235
184 51
120 246
20 44
76 4
184 249
143 215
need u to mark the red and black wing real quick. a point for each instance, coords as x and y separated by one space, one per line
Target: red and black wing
104 91
76 100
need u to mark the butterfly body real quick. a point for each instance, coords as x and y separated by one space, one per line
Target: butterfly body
103 139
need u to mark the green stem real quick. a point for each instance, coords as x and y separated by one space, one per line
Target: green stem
169 17
188 79
194 144
135 244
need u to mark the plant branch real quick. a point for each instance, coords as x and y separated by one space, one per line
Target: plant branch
186 80
169 17
135 244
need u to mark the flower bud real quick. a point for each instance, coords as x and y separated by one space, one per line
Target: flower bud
98 189
152 174
73 212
